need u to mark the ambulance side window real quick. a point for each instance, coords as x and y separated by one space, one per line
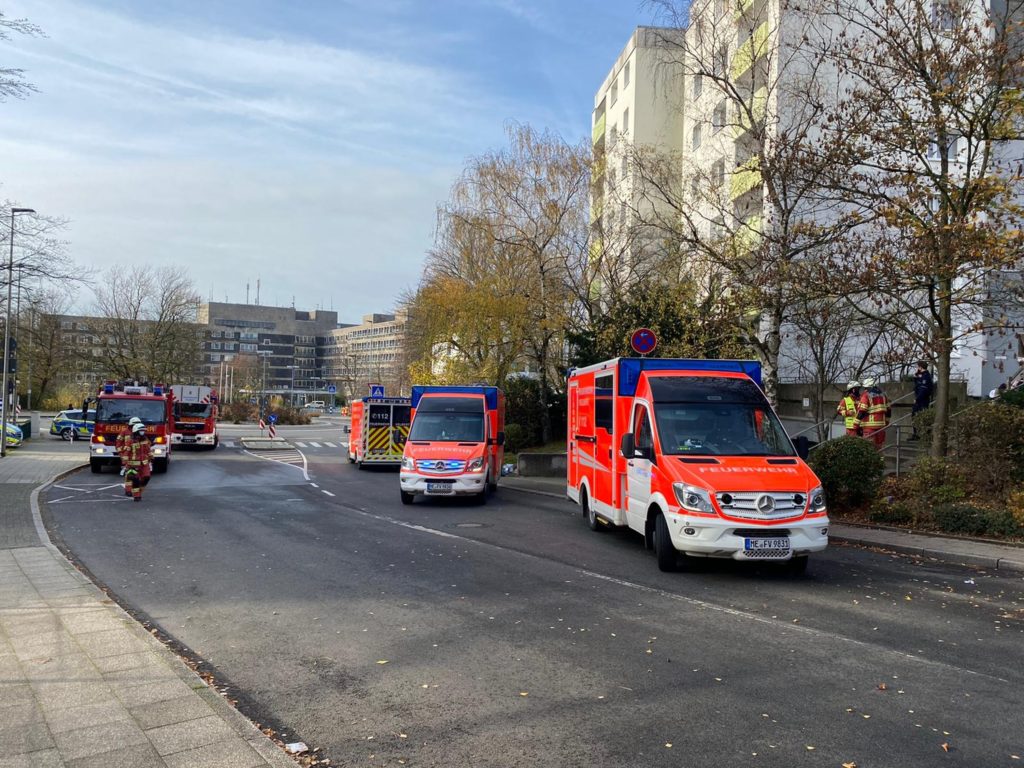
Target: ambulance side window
603 402
642 429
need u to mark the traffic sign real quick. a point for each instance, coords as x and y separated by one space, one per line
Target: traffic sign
643 341
377 391
273 418
331 389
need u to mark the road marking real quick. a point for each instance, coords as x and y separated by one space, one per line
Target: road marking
327 492
290 458
314 485
702 604
300 445
314 445
229 444
330 445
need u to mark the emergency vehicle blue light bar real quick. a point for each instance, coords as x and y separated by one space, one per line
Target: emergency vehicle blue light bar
630 369
490 394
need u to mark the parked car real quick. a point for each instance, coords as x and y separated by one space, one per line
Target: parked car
13 435
70 425
315 405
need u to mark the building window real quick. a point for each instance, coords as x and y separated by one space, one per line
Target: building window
698 85
718 173
214 345
718 118
942 15
625 120
696 136
720 8
721 62
615 91
624 169
246 347
625 76
613 135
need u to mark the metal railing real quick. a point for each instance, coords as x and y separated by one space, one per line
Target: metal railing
890 424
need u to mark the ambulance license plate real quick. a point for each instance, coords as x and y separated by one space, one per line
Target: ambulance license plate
774 543
440 489
189 439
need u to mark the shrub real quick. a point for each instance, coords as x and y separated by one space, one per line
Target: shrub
288 415
1015 506
237 412
989 447
892 513
972 520
936 481
523 409
850 469
513 438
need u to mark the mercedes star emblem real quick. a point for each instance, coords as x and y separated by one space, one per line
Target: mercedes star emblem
765 504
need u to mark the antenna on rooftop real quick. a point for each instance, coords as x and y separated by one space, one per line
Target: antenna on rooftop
257 291
246 291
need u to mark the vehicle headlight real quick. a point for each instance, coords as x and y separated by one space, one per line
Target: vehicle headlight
692 498
817 497
408 463
476 464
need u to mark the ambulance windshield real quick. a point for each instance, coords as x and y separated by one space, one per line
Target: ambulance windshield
449 420
193 410
710 429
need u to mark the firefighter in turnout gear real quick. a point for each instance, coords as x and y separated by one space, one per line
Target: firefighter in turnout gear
136 459
121 444
874 412
848 408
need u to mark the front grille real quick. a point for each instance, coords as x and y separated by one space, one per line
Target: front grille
762 505
188 426
441 466
774 553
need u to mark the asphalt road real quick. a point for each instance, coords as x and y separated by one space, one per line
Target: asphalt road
450 634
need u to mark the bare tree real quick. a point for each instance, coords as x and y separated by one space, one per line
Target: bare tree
931 91
13 84
146 319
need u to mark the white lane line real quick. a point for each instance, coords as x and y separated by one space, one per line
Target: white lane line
291 460
314 485
702 604
327 492
314 445
229 444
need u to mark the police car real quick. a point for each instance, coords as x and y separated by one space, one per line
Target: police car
13 435
70 425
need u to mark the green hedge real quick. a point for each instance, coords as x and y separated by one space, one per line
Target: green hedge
850 470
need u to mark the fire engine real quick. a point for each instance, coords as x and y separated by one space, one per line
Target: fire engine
116 403
689 454
455 445
379 429
195 416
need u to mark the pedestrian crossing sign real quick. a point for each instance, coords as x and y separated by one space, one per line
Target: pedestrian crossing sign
377 391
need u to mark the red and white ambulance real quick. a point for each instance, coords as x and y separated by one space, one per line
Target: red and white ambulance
690 454
455 445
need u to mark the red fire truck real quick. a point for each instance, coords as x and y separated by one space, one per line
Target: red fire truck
689 454
116 403
195 416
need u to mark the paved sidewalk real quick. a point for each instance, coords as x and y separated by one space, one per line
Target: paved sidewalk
1005 557
82 684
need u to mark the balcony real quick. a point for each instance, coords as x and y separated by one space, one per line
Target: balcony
746 54
758 106
745 178
598 133
749 235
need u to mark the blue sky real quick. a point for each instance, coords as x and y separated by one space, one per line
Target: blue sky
304 143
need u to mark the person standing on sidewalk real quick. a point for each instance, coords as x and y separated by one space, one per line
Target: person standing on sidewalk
874 412
847 408
923 388
136 462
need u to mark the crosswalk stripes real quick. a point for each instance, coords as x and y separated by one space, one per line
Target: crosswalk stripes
330 445
314 445
229 443
300 445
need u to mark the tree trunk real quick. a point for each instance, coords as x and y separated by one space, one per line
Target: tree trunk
545 412
943 349
770 333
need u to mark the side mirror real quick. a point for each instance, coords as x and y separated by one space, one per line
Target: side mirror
803 447
501 439
348 428
627 447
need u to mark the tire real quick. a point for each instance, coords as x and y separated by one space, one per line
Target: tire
797 566
160 465
67 434
407 498
668 556
96 466
362 466
589 513
481 498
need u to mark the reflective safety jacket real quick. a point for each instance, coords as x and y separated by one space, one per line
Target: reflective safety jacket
874 410
136 456
847 408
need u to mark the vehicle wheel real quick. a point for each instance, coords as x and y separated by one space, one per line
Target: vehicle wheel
361 465
668 557
593 523
96 466
160 465
407 497
216 442
67 434
481 498
492 485
797 566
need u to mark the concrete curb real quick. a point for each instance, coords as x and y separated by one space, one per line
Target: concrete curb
534 491
239 723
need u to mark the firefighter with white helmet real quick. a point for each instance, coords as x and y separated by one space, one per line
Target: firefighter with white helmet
847 408
123 438
136 460
874 412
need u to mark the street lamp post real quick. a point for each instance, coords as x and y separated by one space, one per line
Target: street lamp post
7 334
291 390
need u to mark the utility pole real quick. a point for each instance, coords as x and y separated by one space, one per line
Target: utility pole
7 416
